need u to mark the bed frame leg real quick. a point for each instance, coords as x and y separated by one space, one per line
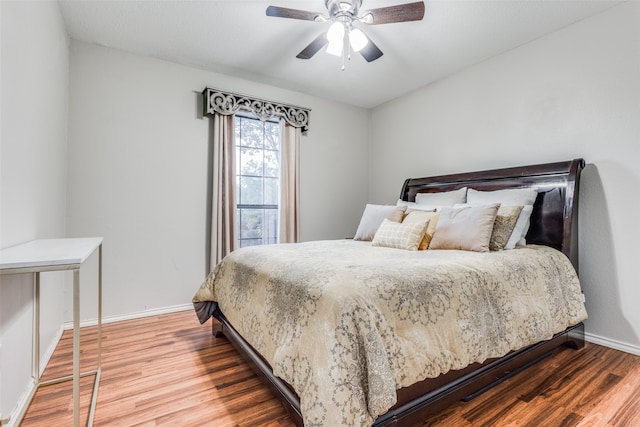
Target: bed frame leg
575 337
217 329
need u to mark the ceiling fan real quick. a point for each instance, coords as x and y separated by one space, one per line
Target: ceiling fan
342 37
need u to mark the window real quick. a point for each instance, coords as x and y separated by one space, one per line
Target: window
257 181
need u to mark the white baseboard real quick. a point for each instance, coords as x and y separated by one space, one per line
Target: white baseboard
23 402
15 417
22 405
130 316
44 359
617 345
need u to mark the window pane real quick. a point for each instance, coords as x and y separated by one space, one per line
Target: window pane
271 163
271 191
251 161
270 231
257 226
250 242
250 223
257 180
250 191
252 133
272 136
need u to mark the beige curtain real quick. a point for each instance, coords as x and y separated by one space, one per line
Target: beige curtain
223 209
289 183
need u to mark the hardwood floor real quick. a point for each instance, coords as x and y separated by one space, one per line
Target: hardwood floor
170 370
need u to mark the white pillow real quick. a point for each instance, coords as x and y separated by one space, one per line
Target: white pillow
373 216
419 207
468 228
516 232
521 228
508 197
444 198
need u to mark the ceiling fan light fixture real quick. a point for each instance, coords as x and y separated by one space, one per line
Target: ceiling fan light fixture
342 39
357 39
335 36
336 33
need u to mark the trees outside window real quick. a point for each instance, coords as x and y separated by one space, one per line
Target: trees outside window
257 145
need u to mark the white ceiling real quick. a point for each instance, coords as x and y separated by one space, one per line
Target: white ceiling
236 37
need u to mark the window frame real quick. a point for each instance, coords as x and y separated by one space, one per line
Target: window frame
272 235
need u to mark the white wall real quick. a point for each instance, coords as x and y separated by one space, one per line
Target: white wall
137 157
35 69
137 172
574 93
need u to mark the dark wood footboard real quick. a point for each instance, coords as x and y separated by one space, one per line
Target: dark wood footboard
280 388
421 400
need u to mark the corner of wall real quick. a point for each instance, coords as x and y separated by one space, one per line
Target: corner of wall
35 61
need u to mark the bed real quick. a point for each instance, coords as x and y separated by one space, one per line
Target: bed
371 339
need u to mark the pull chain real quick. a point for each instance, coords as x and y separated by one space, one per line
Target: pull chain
346 46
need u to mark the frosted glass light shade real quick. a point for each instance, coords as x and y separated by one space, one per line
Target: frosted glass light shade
357 39
335 35
334 49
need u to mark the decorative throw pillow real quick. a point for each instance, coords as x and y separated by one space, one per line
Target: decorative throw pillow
503 226
467 228
430 217
444 198
373 216
399 235
509 197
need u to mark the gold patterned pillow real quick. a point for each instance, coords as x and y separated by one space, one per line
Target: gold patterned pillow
503 226
415 215
400 236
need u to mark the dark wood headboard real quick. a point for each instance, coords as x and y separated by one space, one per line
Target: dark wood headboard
554 221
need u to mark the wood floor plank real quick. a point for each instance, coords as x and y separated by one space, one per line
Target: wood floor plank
620 406
169 370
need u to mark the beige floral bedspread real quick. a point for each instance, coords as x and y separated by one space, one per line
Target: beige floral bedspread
346 324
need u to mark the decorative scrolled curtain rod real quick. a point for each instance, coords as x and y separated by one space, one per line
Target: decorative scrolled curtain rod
226 103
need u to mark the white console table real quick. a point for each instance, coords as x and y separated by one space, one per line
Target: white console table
45 255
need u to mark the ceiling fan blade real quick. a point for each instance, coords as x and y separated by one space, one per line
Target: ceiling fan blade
399 13
371 52
283 12
313 47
